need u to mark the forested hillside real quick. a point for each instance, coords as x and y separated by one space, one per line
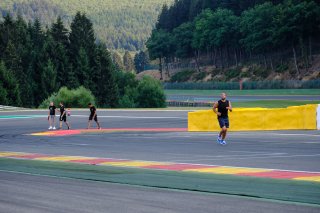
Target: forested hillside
124 24
34 63
229 33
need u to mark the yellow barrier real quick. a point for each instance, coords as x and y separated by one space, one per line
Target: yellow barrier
251 119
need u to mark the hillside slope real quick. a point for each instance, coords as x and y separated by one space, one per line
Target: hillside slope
124 24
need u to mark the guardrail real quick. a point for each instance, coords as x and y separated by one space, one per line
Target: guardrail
283 84
3 108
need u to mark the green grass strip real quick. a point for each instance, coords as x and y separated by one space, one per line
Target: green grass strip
302 192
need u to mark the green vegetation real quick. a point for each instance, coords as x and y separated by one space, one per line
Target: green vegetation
79 98
150 93
232 33
146 93
36 63
39 62
182 76
274 92
124 24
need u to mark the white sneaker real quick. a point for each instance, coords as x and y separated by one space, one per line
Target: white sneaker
54 128
50 127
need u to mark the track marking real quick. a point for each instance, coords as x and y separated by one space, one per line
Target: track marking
253 157
183 167
134 117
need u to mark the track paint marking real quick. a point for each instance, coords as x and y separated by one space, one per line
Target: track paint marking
10 117
279 174
177 167
61 158
107 130
132 163
200 168
314 178
134 117
223 170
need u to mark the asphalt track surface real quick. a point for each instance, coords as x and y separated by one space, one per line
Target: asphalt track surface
288 150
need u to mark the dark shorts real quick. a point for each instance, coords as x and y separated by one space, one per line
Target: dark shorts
63 118
223 122
95 118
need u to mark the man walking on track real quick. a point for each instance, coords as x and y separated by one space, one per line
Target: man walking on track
223 106
51 116
93 115
63 116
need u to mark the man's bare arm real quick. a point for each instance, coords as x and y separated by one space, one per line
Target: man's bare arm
229 107
215 106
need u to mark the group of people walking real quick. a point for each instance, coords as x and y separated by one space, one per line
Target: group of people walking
221 108
63 116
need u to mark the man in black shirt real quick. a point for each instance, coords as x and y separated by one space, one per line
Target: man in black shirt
223 106
51 116
93 115
63 116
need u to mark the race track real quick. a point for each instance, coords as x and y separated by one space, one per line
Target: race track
283 150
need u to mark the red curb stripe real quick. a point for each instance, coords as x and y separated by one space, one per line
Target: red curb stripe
279 174
83 131
177 167
30 156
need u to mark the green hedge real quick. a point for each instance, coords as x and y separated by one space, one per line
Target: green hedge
76 98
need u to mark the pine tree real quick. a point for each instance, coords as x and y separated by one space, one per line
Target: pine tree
59 33
107 92
128 62
48 79
117 60
9 83
140 61
82 68
82 36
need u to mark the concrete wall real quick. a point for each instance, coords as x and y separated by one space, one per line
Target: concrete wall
251 119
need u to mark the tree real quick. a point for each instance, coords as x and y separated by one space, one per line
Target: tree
10 86
107 92
294 24
141 59
183 36
150 93
82 37
128 62
48 79
82 68
117 60
59 33
257 29
160 46
82 49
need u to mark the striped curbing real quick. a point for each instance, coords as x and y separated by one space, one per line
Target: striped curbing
169 166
